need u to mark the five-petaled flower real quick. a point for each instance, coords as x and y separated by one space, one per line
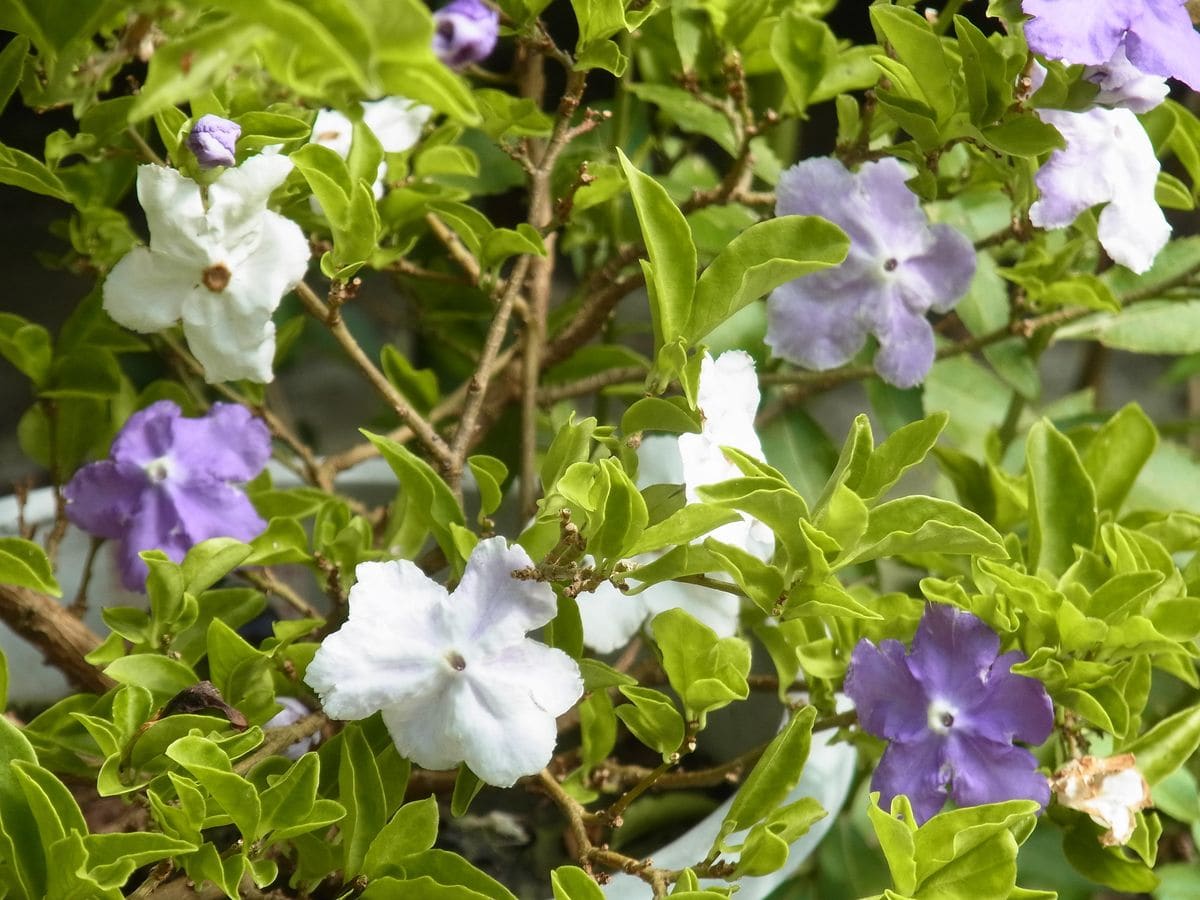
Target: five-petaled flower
950 710
213 140
465 32
219 260
728 400
168 483
454 674
1156 35
897 269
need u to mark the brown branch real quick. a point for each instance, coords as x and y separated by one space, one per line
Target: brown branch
62 638
404 410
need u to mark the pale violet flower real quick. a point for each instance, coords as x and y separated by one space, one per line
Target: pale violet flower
1108 159
950 710
465 32
293 711
213 140
728 400
454 674
395 121
1157 35
897 269
1123 85
220 262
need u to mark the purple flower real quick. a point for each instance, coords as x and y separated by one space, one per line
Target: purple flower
898 268
212 140
1124 86
167 485
950 710
1157 34
465 32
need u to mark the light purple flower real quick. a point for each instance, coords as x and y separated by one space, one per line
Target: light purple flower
1157 34
293 711
168 483
212 140
1108 159
1124 86
950 710
465 32
898 268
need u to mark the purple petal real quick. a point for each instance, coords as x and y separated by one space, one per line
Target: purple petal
891 703
209 508
465 32
892 210
228 443
905 345
952 654
985 771
148 434
212 140
156 525
1163 42
102 496
1079 31
815 328
939 277
822 186
1124 85
916 769
1010 706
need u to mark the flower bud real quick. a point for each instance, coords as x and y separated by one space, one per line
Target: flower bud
212 140
465 32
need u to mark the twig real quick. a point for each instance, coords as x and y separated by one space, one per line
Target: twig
592 383
264 579
79 605
460 254
404 410
62 638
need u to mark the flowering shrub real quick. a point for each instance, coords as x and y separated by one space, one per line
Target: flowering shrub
460 390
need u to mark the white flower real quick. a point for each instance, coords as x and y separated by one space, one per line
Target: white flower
1124 85
728 401
454 674
1108 159
221 267
1110 790
395 121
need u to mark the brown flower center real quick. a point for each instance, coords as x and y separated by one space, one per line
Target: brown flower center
457 663
216 278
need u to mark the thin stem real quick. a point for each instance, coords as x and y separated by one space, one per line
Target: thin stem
592 383
264 579
398 402
79 605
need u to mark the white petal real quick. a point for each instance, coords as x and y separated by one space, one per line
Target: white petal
422 728
278 263
230 348
1108 158
728 397
174 213
395 595
333 130
146 291
396 121
504 736
549 677
716 609
609 617
490 607
360 669
659 461
238 199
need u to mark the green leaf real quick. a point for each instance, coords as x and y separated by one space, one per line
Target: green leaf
1062 500
706 672
651 718
572 883
24 344
290 799
1116 454
413 829
489 475
210 561
925 525
24 564
467 786
19 842
361 793
23 171
112 858
1155 326
671 271
773 777
803 48
757 261
210 766
162 676
682 527
1167 745
669 414
905 448
920 51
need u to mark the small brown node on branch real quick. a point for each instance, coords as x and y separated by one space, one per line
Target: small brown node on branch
216 277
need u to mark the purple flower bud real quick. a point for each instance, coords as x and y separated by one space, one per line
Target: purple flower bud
212 140
465 32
